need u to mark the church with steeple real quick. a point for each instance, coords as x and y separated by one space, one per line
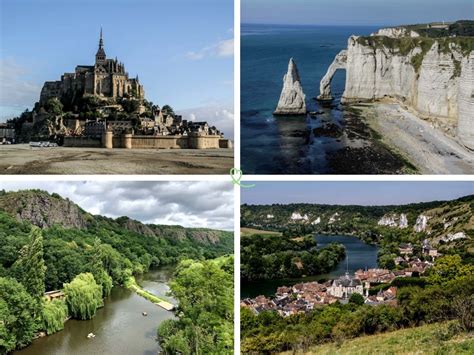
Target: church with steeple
107 78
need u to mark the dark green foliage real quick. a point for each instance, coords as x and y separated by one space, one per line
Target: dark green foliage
356 299
17 323
54 106
30 268
274 257
69 252
83 296
205 321
450 300
54 315
168 109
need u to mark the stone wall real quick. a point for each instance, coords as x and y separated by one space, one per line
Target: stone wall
82 142
152 142
164 142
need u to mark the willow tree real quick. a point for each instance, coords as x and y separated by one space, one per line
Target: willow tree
30 268
83 296
54 316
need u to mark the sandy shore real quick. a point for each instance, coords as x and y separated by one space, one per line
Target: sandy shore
427 148
22 159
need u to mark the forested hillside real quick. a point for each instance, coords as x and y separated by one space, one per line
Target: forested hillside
447 224
50 243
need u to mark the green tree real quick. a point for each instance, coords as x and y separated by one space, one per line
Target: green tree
97 268
447 268
204 291
30 268
54 106
83 296
356 298
168 109
54 315
17 323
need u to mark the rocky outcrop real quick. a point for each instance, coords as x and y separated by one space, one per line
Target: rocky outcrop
433 77
421 223
394 220
43 210
292 99
296 216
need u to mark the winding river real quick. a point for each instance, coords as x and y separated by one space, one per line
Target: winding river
119 326
359 255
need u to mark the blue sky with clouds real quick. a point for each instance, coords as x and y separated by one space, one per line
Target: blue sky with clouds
182 50
355 193
354 12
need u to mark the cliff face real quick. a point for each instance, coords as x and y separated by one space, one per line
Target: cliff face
43 210
434 77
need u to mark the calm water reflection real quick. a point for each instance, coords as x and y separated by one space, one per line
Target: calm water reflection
119 326
359 255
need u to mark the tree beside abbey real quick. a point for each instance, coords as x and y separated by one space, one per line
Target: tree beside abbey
59 262
99 97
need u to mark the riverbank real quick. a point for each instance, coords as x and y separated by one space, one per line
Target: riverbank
22 159
132 285
119 326
417 140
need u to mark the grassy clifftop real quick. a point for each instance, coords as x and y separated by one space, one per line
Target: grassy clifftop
428 339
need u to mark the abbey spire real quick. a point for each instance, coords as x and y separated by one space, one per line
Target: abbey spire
100 55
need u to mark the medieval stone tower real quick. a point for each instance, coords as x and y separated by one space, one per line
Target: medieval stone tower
107 78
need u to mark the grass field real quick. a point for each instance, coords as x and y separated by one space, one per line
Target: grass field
427 339
251 231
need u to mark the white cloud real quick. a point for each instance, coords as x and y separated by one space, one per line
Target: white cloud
219 115
206 204
16 91
221 49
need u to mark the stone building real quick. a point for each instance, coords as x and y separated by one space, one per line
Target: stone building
107 78
345 286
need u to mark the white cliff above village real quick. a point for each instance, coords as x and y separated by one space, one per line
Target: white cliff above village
429 69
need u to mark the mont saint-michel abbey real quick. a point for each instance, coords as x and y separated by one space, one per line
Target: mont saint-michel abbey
106 78
102 107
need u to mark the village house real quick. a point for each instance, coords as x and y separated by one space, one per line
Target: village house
405 249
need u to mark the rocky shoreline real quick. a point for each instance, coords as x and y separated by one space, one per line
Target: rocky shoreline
417 140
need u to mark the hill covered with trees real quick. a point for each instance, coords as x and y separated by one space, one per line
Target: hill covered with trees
49 243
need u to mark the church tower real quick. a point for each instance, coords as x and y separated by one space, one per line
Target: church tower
100 55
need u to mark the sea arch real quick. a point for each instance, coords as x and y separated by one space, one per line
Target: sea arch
339 62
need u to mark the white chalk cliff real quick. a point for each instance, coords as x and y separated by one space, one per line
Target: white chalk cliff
434 77
292 98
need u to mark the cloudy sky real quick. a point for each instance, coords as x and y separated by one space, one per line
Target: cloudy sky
208 204
354 12
182 50
368 193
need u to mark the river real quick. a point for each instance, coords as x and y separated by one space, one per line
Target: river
119 326
359 255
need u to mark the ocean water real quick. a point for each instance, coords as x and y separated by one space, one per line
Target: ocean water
284 144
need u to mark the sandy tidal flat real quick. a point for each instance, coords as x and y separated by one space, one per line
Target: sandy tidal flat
426 147
22 159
